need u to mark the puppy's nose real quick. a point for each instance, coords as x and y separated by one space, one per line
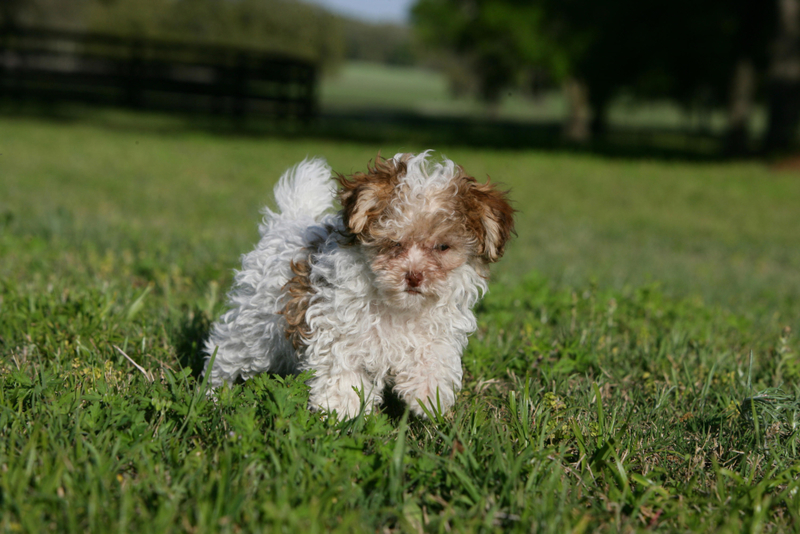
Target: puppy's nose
414 279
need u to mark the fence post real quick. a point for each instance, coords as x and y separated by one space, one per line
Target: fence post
132 72
310 100
132 80
9 63
217 100
240 76
5 30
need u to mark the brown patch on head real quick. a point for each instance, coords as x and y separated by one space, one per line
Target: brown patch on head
419 224
299 292
488 215
365 196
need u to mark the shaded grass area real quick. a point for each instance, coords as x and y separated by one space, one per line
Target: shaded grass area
367 103
393 124
606 388
363 85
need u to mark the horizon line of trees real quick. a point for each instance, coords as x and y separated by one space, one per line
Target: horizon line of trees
292 27
714 54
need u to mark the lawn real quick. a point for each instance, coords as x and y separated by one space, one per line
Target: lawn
634 368
372 86
361 85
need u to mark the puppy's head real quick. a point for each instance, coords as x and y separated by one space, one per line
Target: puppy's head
420 221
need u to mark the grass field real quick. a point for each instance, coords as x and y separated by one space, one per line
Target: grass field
362 85
635 366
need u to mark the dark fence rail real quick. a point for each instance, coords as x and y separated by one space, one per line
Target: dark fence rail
55 65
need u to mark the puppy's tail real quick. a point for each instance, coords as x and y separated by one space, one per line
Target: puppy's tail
305 190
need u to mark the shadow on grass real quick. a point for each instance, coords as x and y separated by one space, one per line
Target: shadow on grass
385 126
382 126
392 405
188 337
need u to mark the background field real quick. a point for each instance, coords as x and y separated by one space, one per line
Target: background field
362 85
725 232
606 388
359 85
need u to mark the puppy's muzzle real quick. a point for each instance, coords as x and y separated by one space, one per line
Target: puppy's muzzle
414 279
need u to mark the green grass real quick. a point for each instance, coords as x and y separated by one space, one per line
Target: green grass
610 386
361 85
372 86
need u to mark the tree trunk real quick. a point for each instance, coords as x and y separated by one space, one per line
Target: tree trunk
599 104
10 11
577 126
784 83
743 86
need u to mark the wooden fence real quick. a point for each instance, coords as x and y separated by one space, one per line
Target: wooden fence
53 65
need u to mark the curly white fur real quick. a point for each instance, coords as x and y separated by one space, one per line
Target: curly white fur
375 314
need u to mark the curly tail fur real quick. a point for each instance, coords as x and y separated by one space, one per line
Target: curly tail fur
250 337
305 190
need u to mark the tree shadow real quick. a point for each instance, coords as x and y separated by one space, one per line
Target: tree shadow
478 132
395 127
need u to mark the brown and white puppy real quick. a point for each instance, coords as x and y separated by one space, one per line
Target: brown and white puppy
379 293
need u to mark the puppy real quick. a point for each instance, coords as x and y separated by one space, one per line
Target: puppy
379 293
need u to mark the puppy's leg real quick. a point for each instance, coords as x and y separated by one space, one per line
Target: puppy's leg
343 393
432 377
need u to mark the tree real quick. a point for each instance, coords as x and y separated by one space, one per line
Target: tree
784 82
498 39
688 51
700 54
286 26
273 25
49 13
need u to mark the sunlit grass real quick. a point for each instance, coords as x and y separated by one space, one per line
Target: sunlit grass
610 386
360 86
726 232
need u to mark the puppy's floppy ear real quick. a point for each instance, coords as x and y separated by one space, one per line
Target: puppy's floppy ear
489 216
365 196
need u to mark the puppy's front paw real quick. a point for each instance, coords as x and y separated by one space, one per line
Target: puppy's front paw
344 406
344 395
435 397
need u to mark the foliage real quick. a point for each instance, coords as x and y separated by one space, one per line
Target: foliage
388 44
686 50
586 407
682 50
48 13
283 26
498 38
276 25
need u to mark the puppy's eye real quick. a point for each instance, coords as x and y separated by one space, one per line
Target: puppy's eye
397 245
442 247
